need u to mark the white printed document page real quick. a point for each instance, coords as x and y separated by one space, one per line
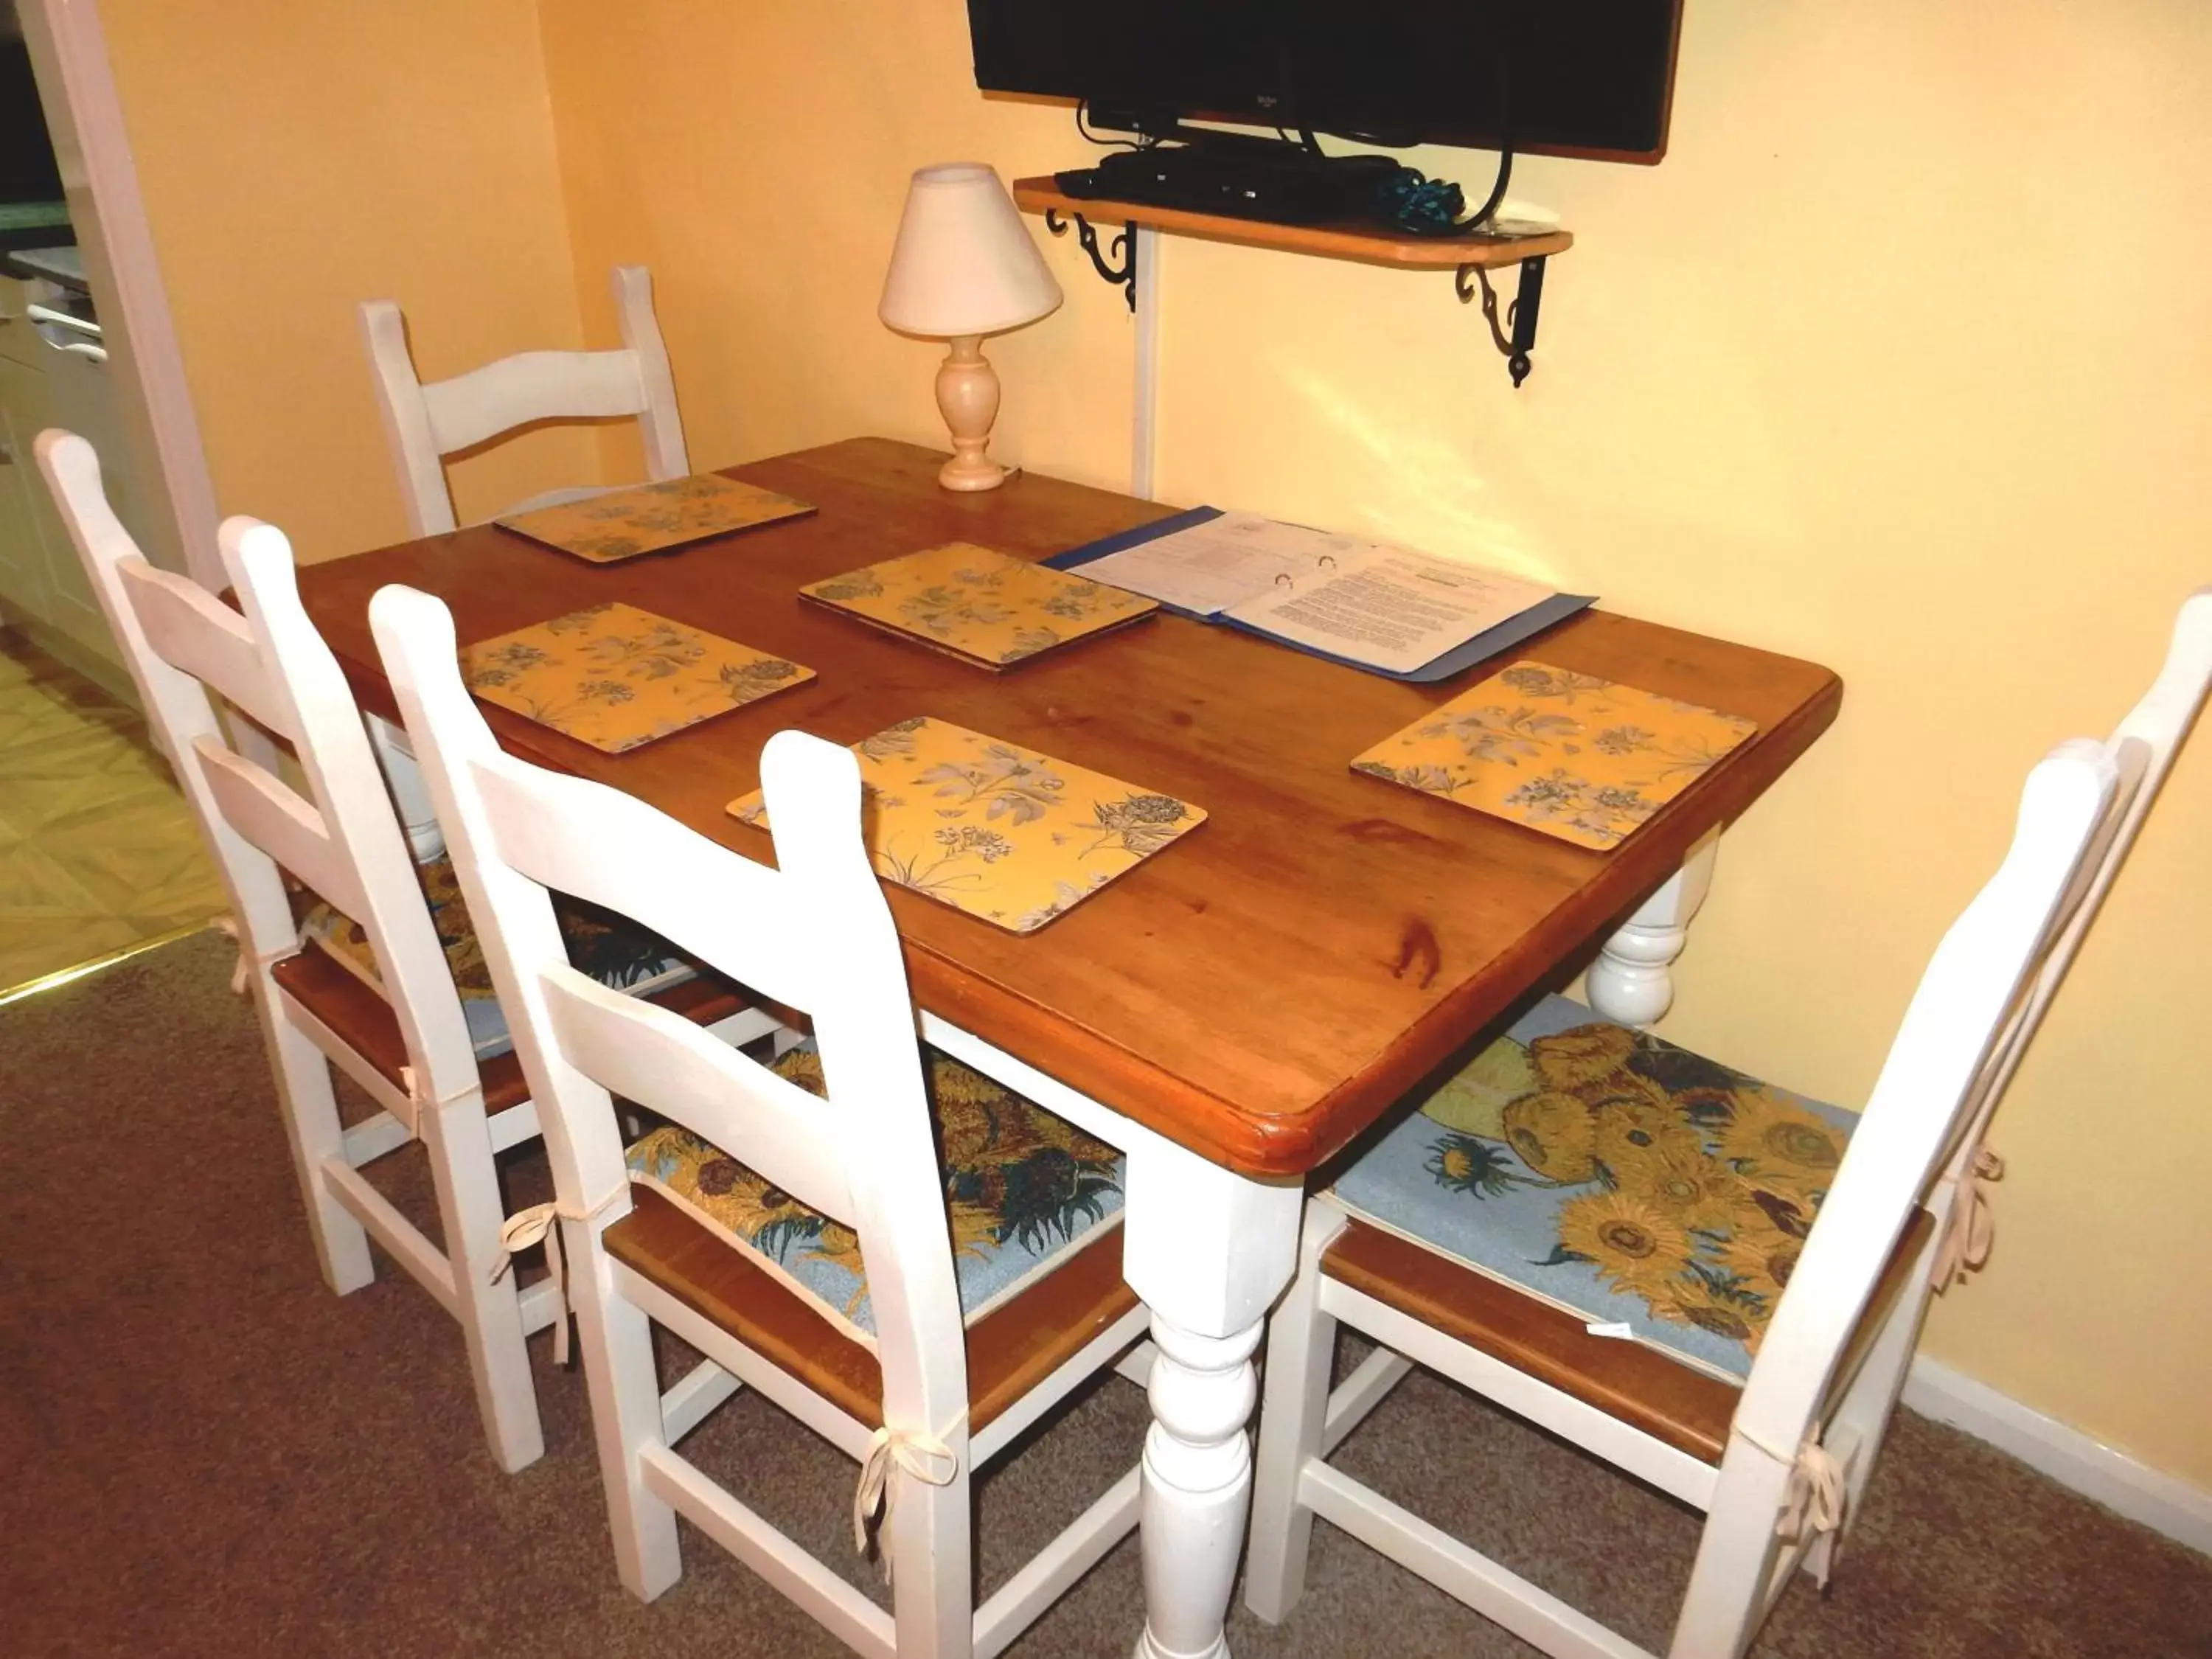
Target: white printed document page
1212 567
1389 608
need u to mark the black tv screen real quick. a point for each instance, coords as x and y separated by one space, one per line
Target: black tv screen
1562 77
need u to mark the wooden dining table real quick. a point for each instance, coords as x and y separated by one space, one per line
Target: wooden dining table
1241 1007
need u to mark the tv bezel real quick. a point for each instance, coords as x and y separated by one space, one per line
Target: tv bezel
1124 117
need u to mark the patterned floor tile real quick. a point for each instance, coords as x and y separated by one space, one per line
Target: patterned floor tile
98 850
34 883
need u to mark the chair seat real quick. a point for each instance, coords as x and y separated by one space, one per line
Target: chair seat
1023 1191
610 950
1020 1342
360 1016
1643 1387
1615 1176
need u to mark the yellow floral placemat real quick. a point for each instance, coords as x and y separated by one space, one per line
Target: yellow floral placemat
985 607
1569 754
1003 833
654 518
615 677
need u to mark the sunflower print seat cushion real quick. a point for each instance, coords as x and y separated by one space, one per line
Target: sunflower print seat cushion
1613 1175
611 950
1024 1190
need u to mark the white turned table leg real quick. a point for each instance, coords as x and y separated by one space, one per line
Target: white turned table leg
1630 983
1198 1487
403 775
1209 1252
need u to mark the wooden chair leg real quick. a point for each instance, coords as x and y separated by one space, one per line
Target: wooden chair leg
1862 1422
470 1212
1735 1561
310 1108
617 1343
932 1598
1293 1414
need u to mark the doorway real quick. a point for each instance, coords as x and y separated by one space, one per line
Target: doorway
98 854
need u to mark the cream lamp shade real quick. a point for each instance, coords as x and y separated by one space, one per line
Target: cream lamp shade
963 266
963 263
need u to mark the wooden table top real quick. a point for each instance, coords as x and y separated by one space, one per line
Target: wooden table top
1261 990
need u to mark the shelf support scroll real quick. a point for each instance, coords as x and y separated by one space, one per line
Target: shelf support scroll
1125 250
1520 316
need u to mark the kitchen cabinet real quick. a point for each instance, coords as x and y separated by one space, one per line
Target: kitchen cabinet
43 384
23 560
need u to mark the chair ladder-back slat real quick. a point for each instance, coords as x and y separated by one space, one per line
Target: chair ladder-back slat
424 422
691 891
197 634
531 385
638 1052
274 817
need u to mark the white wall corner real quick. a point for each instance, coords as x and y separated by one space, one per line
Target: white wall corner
84 112
2163 1503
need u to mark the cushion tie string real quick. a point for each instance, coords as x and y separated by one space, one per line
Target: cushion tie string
1970 1227
1814 1500
536 1226
240 974
411 1081
924 1456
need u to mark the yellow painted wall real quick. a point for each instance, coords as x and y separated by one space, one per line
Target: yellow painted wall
756 156
1900 361
298 156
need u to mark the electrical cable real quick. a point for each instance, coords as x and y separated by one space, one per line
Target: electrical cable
1497 189
1431 207
1422 206
1090 137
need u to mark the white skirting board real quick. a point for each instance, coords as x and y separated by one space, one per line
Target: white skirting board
2160 1502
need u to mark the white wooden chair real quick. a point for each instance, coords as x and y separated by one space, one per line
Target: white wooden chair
1779 1458
424 423
427 422
941 1393
407 1042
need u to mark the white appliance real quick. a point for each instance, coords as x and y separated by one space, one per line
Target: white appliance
54 372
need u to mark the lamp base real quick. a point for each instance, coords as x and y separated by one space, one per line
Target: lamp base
968 398
967 472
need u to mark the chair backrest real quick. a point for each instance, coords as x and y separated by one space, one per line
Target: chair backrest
815 932
341 839
1977 1008
2144 746
425 423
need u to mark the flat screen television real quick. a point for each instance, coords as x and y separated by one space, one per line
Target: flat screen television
1560 77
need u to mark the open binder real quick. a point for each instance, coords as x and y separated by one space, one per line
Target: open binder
1367 605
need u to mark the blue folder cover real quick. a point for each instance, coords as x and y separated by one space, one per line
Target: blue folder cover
1487 644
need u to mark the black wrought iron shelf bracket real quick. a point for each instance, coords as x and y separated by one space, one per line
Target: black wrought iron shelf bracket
1125 250
1520 316
1515 333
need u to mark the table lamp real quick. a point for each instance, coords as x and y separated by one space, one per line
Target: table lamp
963 267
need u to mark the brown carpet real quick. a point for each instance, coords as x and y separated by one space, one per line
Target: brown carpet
202 1451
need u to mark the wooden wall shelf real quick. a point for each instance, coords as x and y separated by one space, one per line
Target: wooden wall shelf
1470 258
1337 241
